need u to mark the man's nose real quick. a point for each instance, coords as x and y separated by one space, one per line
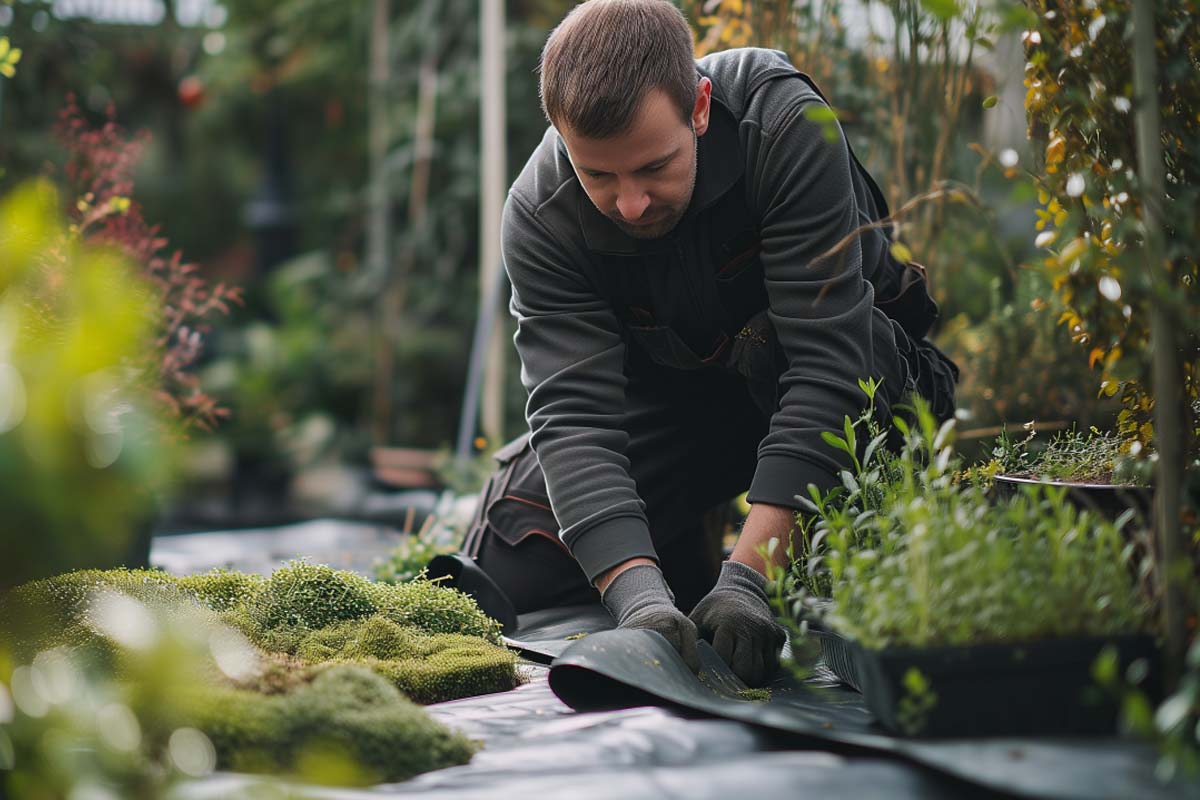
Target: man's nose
632 201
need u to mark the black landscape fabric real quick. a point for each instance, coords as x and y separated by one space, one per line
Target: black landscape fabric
623 668
596 667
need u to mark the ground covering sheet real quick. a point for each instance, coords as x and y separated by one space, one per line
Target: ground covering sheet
619 715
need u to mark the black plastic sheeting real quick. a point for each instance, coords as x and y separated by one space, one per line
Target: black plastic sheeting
606 669
668 734
536 746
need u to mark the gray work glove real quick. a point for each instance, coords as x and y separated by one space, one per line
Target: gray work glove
736 617
639 598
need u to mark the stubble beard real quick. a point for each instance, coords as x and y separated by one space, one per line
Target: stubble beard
664 226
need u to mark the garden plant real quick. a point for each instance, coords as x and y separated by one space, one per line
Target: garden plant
913 561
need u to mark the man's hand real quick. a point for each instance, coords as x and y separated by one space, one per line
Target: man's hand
639 598
736 617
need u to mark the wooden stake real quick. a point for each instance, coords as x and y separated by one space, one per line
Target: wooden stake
1169 434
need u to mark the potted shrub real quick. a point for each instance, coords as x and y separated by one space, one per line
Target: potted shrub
958 615
1094 469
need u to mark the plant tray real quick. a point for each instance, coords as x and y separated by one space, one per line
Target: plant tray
1043 687
1109 500
838 655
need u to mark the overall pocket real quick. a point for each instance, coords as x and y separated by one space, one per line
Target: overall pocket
740 283
514 504
666 348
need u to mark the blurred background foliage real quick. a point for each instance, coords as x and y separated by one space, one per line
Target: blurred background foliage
1079 90
256 168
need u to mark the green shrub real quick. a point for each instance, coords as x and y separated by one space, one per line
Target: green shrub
346 711
910 556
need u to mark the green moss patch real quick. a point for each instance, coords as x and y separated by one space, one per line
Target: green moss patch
431 642
346 713
426 667
342 661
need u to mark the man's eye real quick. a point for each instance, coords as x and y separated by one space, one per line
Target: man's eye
654 168
595 174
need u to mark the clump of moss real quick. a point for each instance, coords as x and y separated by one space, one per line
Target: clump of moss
309 597
56 611
345 711
432 643
221 589
755 695
426 667
434 609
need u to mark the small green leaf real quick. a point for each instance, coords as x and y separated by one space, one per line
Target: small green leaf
1104 668
915 682
944 10
820 113
833 440
901 253
990 101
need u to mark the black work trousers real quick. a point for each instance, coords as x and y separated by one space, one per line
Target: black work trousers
693 442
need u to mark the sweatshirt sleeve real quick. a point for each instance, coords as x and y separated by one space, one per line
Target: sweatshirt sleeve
571 350
821 308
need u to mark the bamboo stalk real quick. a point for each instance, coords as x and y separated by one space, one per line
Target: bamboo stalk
1168 385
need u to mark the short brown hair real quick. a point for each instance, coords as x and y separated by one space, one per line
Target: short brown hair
607 55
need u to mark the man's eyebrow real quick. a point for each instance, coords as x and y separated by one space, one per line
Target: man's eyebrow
658 162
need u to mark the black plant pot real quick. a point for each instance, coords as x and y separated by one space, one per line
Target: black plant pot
1107 499
1033 688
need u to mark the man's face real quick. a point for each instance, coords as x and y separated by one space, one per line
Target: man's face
642 179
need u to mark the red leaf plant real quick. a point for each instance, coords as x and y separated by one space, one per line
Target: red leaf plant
99 170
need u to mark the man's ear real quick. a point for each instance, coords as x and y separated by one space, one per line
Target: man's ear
702 107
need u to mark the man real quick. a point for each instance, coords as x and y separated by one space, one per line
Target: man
694 309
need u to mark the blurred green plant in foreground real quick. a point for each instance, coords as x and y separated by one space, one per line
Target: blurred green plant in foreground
80 454
123 681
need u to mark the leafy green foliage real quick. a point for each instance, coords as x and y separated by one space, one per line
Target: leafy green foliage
1080 107
1070 455
911 556
918 700
1017 363
73 424
174 710
1174 726
409 558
